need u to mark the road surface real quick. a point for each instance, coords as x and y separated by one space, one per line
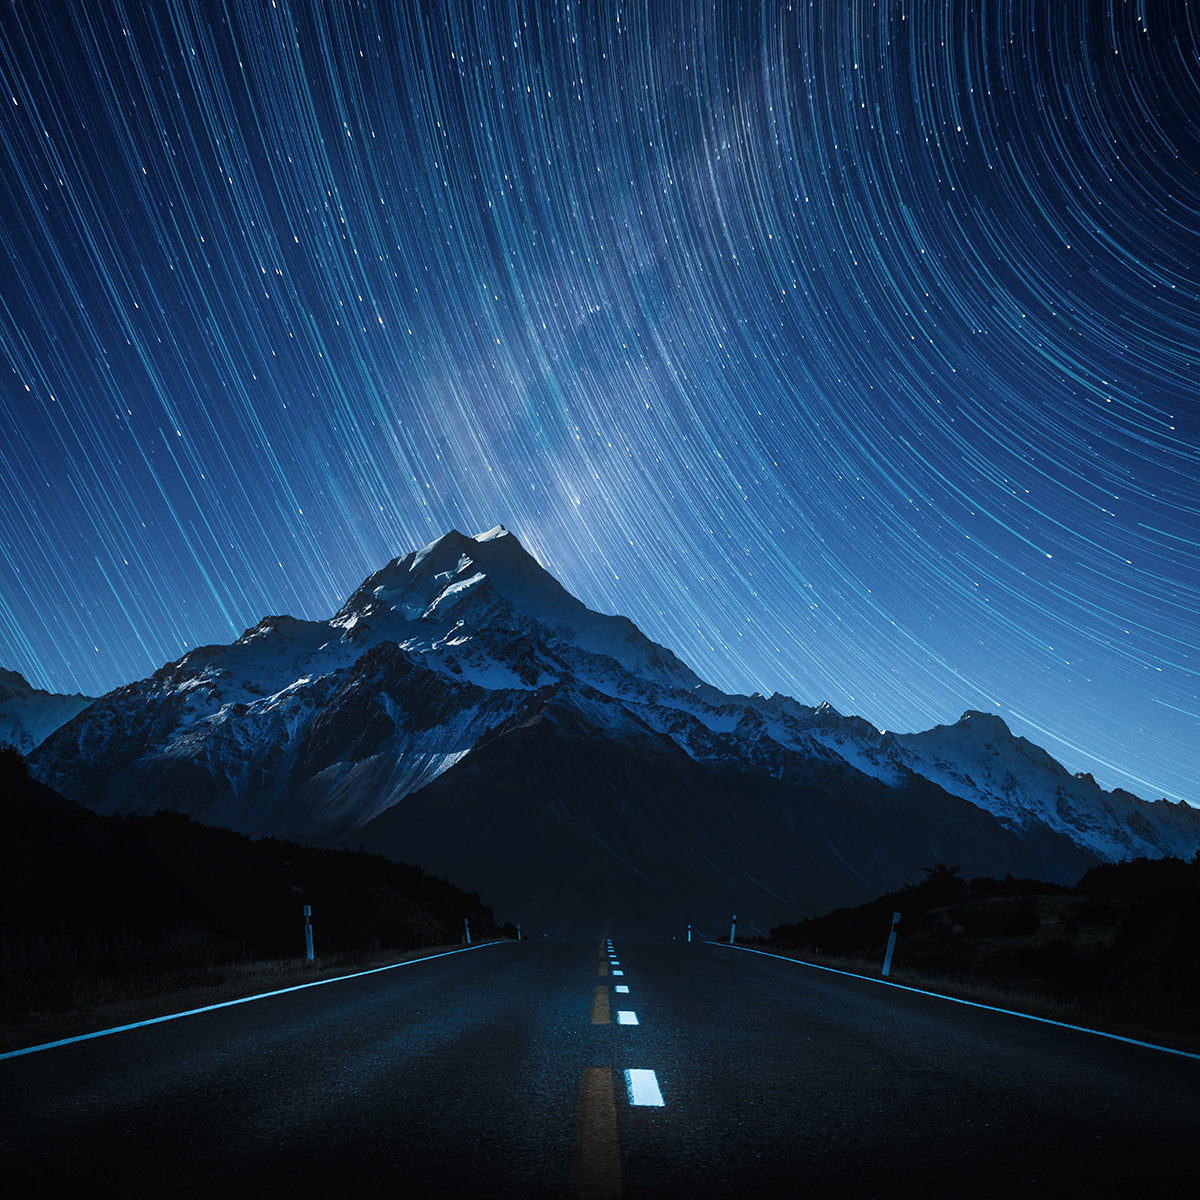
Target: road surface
519 1070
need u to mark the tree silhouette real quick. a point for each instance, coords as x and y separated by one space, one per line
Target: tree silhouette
14 771
940 873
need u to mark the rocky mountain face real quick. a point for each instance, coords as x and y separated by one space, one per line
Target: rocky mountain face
28 715
463 712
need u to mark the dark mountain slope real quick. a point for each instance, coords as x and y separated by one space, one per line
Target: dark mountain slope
564 825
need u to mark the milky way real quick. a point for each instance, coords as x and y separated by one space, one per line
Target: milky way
851 350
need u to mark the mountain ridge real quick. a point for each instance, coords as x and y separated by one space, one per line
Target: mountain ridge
28 715
439 665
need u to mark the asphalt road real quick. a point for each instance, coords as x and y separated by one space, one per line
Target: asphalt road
502 1072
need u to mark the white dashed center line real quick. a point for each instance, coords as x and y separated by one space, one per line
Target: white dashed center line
621 987
643 1088
626 1018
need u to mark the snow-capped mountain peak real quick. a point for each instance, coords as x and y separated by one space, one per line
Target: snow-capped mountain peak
464 670
490 583
982 737
426 584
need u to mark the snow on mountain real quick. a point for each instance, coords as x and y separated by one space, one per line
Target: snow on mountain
458 587
315 726
28 715
980 759
466 660
977 759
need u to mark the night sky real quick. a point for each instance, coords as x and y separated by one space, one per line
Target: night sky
851 350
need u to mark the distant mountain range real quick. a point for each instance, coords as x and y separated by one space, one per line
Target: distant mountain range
29 715
462 711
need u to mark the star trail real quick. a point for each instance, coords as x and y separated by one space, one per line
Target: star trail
849 349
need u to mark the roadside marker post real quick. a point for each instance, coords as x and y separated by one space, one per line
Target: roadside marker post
466 931
733 929
891 946
308 946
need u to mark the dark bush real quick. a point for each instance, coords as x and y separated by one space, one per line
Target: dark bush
1140 877
1099 912
1021 922
14 771
1000 919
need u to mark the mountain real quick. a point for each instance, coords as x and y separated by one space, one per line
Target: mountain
981 760
463 711
28 714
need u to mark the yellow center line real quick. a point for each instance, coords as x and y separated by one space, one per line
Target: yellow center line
600 1006
596 1166
603 969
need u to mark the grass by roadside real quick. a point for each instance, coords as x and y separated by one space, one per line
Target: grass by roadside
103 1003
107 920
1118 952
1140 1018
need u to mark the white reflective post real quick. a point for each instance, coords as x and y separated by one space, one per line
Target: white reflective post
891 946
308 946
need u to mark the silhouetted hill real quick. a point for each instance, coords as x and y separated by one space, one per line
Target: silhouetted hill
1124 943
85 895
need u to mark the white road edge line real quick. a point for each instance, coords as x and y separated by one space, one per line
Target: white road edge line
192 1012
643 1089
1010 1012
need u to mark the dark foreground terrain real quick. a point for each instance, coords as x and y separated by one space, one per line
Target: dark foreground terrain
96 910
1122 947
